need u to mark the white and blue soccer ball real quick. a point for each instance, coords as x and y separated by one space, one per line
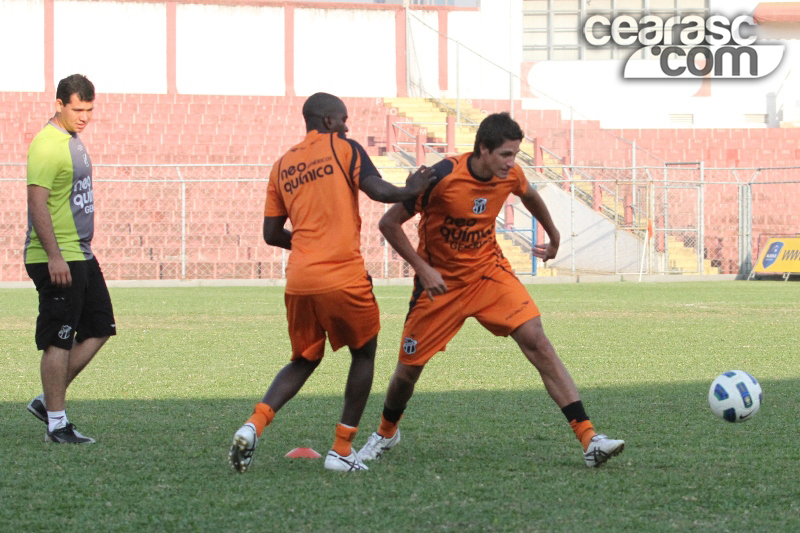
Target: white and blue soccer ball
735 396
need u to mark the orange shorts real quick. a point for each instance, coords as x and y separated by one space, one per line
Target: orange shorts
498 301
349 317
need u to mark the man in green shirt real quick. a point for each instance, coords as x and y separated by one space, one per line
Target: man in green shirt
75 313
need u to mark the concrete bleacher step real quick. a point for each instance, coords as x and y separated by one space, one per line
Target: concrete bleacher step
684 259
552 167
428 114
391 169
466 109
519 258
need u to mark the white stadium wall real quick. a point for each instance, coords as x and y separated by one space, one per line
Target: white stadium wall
259 47
282 47
230 50
120 46
345 51
495 34
21 31
423 57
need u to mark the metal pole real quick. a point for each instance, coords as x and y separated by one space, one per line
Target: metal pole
633 178
183 223
665 223
572 220
633 170
511 56
458 84
571 139
651 215
385 250
634 206
616 227
745 229
534 261
572 184
701 220
407 54
511 92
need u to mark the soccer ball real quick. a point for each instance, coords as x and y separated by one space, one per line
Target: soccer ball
734 396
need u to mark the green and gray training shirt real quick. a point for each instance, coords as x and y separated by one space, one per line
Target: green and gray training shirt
57 160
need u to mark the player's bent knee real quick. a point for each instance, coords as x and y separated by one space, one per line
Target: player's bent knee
407 374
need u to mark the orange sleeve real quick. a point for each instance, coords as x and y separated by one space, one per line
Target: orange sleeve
274 206
521 181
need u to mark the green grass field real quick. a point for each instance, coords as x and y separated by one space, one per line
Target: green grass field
484 448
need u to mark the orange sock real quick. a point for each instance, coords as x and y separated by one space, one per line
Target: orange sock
387 429
584 431
343 443
262 417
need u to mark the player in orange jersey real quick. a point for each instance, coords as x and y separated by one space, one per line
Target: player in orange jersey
460 266
316 185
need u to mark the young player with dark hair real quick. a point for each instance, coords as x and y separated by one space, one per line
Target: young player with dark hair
463 272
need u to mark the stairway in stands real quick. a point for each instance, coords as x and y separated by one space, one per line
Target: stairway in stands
432 115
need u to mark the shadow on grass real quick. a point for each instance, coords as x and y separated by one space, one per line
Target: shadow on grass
469 460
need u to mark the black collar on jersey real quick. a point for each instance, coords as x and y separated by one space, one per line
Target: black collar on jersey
469 167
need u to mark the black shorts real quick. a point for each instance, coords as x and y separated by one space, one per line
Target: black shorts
79 312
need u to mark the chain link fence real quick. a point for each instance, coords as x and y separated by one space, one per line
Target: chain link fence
669 219
205 222
181 222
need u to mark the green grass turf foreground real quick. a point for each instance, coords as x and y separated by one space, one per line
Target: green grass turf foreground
484 448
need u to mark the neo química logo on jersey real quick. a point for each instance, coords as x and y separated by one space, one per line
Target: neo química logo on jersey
688 46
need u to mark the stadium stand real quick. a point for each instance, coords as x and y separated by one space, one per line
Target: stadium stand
139 225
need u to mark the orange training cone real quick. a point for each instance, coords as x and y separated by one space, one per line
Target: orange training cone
303 453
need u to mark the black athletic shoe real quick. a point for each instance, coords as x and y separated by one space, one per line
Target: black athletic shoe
38 409
67 435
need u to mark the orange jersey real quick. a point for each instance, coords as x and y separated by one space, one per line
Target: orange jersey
315 184
457 228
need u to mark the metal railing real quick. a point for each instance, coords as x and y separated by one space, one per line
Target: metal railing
204 221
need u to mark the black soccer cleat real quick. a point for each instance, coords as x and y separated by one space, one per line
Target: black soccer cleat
67 435
38 409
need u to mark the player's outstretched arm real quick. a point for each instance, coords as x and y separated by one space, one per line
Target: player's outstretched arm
275 234
382 191
391 226
538 209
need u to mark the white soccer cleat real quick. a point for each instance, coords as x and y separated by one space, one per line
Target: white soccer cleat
377 445
601 449
244 444
342 463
